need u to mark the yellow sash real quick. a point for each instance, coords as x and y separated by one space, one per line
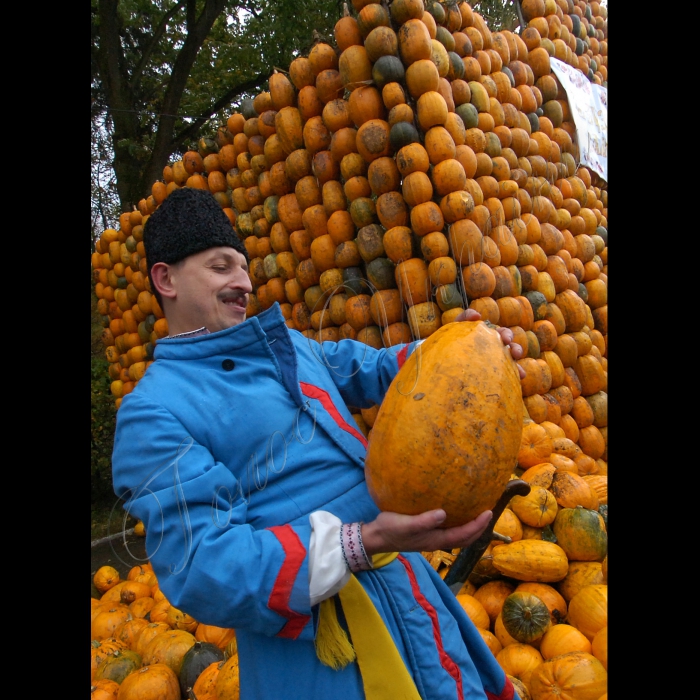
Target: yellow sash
384 674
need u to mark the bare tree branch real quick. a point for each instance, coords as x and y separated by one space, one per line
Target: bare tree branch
519 12
222 102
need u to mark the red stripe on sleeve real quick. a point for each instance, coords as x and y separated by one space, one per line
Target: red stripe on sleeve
314 392
508 692
445 660
294 553
401 357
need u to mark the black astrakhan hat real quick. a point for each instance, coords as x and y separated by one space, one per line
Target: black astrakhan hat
188 221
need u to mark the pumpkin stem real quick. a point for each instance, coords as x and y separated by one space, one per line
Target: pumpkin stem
501 538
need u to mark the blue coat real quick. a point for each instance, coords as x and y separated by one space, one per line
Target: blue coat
226 446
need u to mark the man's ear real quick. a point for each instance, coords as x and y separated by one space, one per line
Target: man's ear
161 279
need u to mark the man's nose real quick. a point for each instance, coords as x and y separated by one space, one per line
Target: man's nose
242 280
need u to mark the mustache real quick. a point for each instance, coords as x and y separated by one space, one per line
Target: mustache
234 296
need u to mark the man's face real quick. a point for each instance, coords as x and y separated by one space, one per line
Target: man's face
212 290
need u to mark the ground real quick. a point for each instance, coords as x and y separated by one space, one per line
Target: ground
121 552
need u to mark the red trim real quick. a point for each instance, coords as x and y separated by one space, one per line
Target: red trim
294 553
445 660
508 692
401 357
314 392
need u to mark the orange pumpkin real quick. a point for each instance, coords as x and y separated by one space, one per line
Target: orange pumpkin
108 619
403 449
588 609
575 675
106 577
562 639
475 610
228 680
168 648
599 646
535 445
491 596
152 681
571 490
538 509
519 660
491 640
531 560
104 689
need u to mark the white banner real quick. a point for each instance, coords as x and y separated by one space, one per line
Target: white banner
589 107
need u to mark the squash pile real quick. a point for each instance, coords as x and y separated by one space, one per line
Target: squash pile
419 165
143 648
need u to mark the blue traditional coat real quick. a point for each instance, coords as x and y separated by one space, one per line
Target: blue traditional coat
225 447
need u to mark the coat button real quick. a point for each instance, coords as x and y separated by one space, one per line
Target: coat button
228 365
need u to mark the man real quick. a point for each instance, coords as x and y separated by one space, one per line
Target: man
238 452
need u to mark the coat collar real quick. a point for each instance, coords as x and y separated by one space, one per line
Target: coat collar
196 346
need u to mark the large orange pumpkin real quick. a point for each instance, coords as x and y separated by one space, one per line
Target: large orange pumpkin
588 609
448 431
572 676
154 681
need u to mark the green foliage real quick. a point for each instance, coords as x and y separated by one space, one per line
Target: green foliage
498 14
165 73
102 418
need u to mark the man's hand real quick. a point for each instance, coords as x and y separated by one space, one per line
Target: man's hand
393 532
516 350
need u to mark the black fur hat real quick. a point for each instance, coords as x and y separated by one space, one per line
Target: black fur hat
188 221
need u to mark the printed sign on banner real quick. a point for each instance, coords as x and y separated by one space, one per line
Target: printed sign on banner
589 107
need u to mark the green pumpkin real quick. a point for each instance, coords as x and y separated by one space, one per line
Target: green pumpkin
118 665
387 69
247 109
538 302
525 617
581 533
197 658
270 209
355 281
444 36
469 115
437 11
380 273
401 134
456 65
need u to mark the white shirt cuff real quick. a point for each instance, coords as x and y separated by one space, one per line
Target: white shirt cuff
328 572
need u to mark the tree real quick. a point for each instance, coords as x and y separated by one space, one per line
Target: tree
163 72
499 14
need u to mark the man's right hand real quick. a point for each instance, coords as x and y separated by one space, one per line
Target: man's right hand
393 532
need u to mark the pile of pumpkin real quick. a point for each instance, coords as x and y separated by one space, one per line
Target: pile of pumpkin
540 598
420 166
143 648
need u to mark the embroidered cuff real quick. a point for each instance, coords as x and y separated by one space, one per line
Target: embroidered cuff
353 550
